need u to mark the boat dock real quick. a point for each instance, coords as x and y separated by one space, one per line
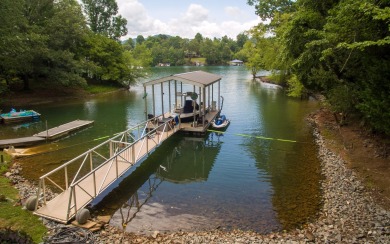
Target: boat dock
104 164
99 167
51 134
198 89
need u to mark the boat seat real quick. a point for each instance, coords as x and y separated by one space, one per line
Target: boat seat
188 108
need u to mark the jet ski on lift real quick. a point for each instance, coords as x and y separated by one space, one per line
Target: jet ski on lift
220 122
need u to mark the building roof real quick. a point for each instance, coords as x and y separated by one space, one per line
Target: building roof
197 78
236 61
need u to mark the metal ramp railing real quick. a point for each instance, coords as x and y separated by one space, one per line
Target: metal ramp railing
97 168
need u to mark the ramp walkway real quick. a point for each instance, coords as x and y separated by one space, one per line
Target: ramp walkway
98 168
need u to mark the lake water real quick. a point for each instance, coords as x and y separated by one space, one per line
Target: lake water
233 180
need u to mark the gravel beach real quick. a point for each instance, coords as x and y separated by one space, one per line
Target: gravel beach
349 214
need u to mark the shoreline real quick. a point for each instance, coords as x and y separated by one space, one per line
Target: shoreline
349 212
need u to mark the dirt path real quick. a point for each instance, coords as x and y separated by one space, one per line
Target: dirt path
367 154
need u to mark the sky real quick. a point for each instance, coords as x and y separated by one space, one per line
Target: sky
185 18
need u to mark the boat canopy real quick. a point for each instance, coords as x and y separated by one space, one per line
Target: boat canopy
197 78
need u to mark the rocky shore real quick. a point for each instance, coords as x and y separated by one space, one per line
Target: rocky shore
349 214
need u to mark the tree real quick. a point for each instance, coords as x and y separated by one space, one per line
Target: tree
67 32
143 55
103 18
129 44
241 40
140 39
336 47
268 9
12 37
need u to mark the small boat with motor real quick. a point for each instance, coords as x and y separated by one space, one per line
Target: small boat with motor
189 112
23 115
220 123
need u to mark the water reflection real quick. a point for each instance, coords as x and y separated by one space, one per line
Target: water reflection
135 204
196 165
293 169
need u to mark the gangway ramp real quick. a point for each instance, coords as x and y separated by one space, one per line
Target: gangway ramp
98 168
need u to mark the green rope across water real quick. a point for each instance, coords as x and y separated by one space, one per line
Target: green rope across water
258 137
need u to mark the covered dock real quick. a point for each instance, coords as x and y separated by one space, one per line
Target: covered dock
198 90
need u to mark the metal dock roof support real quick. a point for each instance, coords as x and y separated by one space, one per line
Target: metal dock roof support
201 83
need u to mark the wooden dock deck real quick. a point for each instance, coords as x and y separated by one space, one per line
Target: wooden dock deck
50 134
80 193
64 129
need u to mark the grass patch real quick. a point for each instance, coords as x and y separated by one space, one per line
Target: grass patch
5 160
96 89
13 216
199 60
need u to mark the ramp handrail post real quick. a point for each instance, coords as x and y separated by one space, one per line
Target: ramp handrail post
90 161
147 143
94 183
44 190
110 148
116 166
133 154
66 177
69 202
75 200
38 193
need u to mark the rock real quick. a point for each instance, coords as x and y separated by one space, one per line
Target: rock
309 236
155 234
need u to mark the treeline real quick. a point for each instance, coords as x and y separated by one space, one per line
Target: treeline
175 50
60 43
65 43
340 48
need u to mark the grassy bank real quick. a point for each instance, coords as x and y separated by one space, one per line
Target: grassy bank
12 215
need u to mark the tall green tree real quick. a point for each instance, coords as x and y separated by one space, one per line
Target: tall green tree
103 18
140 39
339 48
268 9
12 38
67 32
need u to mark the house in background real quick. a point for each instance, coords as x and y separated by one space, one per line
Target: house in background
236 62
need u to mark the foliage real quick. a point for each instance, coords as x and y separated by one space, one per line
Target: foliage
337 47
295 87
103 19
269 8
258 50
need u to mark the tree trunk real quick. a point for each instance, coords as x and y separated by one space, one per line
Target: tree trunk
26 82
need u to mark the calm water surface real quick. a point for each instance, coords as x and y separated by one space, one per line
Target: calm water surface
232 180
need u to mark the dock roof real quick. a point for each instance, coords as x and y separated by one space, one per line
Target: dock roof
197 78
